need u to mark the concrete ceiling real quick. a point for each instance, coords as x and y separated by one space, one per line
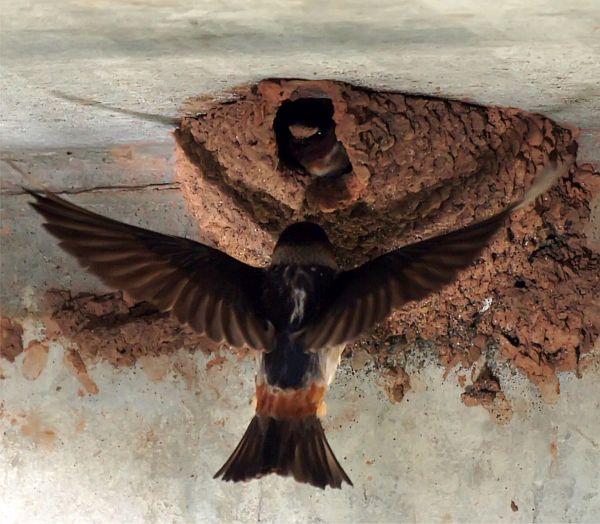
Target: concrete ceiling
542 56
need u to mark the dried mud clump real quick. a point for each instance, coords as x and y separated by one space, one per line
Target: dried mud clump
419 166
485 392
35 360
11 343
112 329
77 367
396 383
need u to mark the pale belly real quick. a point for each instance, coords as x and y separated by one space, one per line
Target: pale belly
330 360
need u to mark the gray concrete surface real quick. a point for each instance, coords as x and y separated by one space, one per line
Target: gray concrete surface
539 55
143 451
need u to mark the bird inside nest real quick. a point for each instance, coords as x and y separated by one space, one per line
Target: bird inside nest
316 149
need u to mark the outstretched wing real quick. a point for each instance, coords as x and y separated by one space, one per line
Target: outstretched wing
209 290
362 297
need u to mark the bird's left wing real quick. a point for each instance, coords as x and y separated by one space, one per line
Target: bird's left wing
209 290
362 297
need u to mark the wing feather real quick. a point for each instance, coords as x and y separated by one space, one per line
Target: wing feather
202 286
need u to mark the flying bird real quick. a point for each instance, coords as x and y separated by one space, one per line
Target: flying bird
297 314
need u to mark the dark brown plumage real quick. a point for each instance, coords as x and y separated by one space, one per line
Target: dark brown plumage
287 446
320 154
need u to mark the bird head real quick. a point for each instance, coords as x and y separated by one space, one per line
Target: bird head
304 244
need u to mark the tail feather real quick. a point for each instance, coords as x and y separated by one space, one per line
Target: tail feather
287 447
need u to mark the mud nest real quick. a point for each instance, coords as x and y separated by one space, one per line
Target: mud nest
418 166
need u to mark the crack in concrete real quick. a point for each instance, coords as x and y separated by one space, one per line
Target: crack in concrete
88 102
158 186
260 504
13 165
588 438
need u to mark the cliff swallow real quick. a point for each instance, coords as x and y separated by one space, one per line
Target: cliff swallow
306 138
317 150
297 313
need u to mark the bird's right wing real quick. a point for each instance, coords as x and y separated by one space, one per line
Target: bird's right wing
364 296
209 290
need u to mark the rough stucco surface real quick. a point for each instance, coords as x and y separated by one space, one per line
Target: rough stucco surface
110 412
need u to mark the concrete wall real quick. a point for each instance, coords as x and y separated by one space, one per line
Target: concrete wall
144 448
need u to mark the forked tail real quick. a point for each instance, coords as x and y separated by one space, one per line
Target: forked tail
294 447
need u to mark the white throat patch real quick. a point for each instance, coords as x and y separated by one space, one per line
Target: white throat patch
299 297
